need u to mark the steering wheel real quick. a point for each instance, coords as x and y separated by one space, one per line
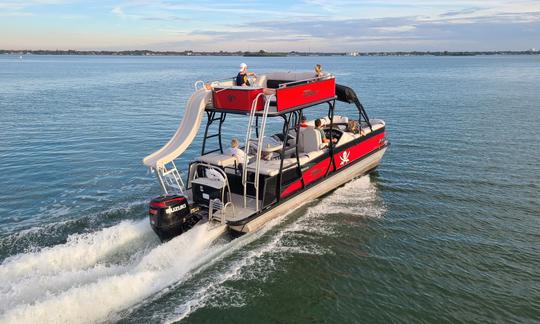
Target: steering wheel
334 133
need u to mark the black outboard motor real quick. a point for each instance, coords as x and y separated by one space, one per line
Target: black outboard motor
171 216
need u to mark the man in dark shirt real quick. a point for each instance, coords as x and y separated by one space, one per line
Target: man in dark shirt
242 77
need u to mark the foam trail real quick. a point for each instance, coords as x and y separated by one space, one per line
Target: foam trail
27 278
94 276
161 267
199 297
79 252
34 288
360 195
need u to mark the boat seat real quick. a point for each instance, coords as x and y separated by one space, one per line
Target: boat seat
310 140
261 81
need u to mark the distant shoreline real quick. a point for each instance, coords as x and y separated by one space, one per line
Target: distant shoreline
263 53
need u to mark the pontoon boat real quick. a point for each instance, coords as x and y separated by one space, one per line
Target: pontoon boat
284 167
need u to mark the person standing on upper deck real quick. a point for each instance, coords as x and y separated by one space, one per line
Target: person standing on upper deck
242 77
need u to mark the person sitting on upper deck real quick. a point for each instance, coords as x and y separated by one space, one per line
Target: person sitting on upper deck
318 71
243 80
242 77
318 126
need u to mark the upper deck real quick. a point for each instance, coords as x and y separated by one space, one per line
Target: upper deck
291 91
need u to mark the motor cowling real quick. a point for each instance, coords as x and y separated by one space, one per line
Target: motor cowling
170 216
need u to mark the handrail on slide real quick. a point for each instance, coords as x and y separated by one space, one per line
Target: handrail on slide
198 82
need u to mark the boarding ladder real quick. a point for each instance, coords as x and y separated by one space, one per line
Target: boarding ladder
170 179
253 125
215 206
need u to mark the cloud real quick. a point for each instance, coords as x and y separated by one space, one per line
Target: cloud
15 14
395 29
118 11
444 32
17 8
461 12
338 25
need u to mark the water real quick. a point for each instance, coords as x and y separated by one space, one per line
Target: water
447 229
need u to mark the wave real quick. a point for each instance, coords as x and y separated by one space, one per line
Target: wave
36 237
109 273
357 198
83 267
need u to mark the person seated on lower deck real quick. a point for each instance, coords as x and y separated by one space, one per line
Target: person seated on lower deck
238 153
353 126
318 127
303 122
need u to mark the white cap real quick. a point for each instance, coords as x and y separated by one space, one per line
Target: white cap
243 66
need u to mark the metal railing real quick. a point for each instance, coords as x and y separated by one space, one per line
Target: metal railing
248 141
292 83
227 187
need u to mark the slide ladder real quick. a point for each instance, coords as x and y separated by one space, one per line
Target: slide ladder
170 178
162 160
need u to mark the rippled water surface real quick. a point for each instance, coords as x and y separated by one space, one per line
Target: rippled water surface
446 230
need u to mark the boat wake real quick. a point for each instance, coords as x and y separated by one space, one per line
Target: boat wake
96 276
357 199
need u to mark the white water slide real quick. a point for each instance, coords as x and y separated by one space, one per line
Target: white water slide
189 126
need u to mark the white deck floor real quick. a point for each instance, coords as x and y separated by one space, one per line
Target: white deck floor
237 212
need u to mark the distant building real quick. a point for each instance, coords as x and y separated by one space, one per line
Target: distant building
353 53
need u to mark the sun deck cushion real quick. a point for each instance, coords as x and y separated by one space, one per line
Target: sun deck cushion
305 157
271 168
218 159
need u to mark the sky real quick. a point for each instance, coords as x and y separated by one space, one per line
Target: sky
278 25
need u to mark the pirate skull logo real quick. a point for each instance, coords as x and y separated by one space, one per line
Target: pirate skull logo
344 158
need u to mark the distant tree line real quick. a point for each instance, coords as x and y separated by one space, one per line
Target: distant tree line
263 53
